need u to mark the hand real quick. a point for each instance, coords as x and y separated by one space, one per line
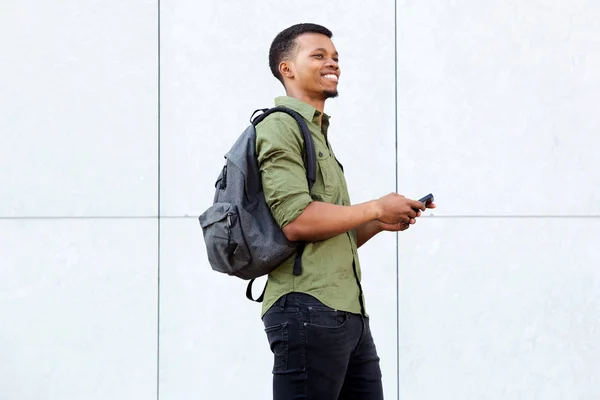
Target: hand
394 209
399 227
430 205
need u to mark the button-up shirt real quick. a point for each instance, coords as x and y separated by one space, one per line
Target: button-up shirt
330 268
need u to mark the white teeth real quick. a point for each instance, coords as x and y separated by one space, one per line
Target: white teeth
331 77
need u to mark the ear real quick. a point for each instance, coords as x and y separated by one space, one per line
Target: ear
285 69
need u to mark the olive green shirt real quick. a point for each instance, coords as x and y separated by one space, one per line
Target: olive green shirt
330 268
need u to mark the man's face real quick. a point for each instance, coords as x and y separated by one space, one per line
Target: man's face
315 66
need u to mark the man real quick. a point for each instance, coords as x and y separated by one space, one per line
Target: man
316 322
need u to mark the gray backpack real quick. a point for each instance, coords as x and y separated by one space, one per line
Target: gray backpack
242 238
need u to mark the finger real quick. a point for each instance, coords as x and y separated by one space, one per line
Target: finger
400 227
417 205
393 227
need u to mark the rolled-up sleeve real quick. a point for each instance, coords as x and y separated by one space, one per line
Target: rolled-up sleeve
279 148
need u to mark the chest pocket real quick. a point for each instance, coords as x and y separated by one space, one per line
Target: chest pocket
328 180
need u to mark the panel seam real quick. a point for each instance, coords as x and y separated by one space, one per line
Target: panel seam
158 211
397 184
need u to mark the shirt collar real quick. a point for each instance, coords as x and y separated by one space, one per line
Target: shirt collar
307 111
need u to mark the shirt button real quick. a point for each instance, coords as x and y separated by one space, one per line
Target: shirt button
320 154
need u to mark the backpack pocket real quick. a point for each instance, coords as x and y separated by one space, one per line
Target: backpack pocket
224 238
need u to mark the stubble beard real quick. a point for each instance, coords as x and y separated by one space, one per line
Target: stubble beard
330 94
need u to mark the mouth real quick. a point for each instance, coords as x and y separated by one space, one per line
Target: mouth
331 77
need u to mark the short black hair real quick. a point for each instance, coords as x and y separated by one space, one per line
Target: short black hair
284 44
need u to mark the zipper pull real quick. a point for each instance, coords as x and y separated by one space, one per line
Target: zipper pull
230 246
224 178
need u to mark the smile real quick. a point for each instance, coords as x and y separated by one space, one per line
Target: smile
331 77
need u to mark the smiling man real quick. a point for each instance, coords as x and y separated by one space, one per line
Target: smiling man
316 322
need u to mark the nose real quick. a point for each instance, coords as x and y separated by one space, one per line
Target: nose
333 64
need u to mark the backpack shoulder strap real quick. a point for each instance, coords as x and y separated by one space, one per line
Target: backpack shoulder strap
309 145
311 176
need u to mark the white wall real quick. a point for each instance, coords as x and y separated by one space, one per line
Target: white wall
78 200
497 115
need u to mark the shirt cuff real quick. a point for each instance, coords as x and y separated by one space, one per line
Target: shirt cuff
291 209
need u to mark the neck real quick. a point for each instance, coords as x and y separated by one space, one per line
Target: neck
316 102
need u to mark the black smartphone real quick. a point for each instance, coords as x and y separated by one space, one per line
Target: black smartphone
427 199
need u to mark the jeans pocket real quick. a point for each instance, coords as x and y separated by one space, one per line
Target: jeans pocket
278 342
324 317
327 335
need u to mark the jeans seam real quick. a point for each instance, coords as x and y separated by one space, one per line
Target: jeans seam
304 356
286 347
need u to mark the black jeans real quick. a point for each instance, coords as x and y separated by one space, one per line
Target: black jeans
321 353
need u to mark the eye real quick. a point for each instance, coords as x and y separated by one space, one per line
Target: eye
336 59
318 55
